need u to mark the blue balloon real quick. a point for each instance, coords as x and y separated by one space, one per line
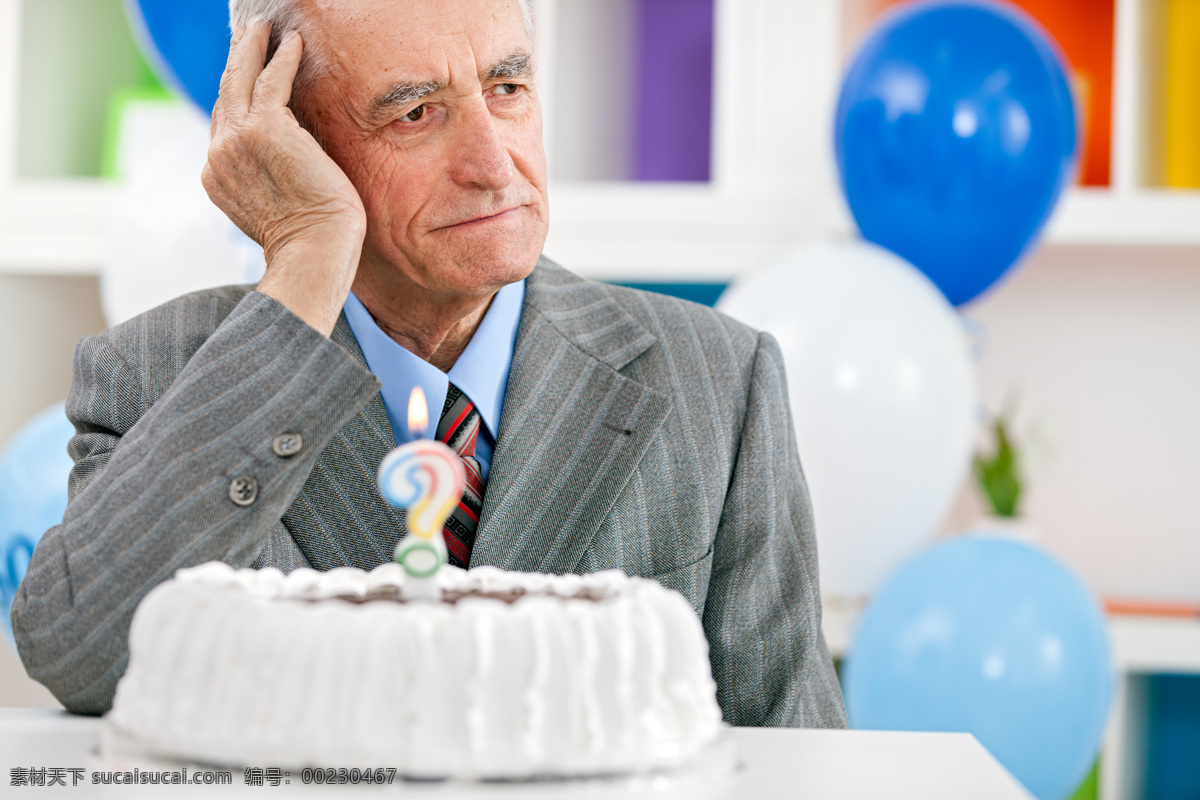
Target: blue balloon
994 637
186 43
33 495
955 134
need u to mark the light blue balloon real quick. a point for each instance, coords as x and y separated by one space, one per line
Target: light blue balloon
33 496
994 637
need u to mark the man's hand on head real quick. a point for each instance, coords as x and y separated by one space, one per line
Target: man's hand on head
271 177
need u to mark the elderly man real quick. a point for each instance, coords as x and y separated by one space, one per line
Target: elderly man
388 157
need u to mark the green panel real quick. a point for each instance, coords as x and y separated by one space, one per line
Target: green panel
74 55
1089 789
121 101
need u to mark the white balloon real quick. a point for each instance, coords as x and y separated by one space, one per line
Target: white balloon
167 238
883 393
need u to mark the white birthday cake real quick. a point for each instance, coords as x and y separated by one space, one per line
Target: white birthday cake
507 675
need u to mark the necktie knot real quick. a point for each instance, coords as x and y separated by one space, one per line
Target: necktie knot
458 426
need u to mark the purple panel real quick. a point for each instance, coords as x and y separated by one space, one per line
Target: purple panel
674 78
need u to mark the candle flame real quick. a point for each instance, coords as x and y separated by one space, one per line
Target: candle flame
418 412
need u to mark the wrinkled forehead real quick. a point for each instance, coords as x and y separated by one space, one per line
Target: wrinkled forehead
372 44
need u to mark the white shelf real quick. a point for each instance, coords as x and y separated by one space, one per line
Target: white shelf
1146 217
1144 645
55 227
648 232
1155 645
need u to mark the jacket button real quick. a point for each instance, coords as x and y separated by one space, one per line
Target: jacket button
287 445
243 491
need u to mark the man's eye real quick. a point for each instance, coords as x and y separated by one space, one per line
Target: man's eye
508 88
415 114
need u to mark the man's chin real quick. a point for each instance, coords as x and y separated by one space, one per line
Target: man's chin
488 263
481 273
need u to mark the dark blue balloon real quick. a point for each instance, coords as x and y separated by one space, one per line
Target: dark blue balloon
186 42
994 637
955 134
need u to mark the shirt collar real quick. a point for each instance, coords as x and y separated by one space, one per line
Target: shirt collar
481 371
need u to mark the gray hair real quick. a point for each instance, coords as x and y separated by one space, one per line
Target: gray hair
285 15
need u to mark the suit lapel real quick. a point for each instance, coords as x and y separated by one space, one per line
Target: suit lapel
339 517
572 430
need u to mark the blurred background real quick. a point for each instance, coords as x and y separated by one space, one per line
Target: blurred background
708 149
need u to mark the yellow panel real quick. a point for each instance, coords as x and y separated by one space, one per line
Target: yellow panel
1183 93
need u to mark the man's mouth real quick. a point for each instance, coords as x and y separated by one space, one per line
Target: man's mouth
483 218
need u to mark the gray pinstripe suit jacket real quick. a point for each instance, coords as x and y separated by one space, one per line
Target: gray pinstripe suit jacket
639 432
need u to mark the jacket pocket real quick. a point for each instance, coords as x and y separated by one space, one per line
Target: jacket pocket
690 580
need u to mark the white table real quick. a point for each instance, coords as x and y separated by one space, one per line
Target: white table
775 764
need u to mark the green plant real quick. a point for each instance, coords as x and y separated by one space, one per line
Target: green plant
999 472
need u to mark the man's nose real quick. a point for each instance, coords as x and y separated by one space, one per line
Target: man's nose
481 158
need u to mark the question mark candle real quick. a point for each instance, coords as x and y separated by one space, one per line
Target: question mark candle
427 478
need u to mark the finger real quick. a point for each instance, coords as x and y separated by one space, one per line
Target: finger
246 58
274 86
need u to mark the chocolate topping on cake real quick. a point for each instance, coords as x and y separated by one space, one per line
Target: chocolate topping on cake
394 594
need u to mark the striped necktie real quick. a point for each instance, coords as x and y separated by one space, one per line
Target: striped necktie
459 429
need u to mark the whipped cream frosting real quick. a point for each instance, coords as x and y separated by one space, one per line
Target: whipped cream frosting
567 675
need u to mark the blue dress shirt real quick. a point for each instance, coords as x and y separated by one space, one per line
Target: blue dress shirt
481 372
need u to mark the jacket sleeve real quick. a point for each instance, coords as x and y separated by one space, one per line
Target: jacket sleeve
763 612
150 489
